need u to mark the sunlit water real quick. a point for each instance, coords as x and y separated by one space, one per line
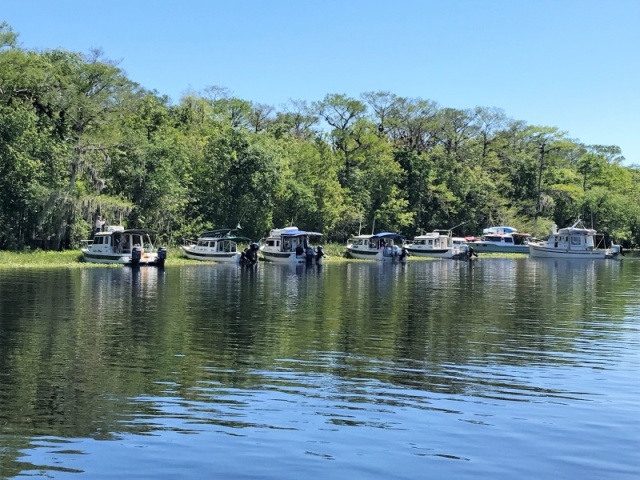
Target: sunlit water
502 369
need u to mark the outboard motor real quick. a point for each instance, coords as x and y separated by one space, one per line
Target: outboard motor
136 255
404 253
251 254
309 254
162 256
616 249
319 253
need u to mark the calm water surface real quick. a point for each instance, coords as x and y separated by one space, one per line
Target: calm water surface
508 368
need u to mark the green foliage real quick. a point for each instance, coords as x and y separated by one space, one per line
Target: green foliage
79 138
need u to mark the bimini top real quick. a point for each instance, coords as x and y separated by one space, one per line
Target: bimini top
298 233
291 232
381 235
575 229
121 230
498 230
223 234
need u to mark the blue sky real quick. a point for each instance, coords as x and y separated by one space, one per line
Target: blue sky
571 64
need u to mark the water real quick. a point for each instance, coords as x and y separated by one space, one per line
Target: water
508 368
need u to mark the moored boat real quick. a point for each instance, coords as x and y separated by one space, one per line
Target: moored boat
437 244
291 245
502 240
219 245
572 242
381 247
118 245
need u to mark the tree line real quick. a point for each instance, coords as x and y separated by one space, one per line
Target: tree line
79 138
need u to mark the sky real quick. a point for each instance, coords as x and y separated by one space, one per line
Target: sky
570 64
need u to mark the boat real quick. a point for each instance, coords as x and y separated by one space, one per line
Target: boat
380 246
219 245
117 245
290 245
575 241
501 240
438 244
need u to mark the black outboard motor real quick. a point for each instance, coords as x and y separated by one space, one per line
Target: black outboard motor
299 250
319 253
309 254
250 254
136 256
162 256
404 253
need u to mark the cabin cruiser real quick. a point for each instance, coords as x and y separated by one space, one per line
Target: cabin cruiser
438 244
115 244
502 240
291 245
382 247
572 242
218 246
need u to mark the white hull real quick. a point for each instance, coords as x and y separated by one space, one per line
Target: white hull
287 258
539 251
431 253
118 258
196 253
374 254
488 247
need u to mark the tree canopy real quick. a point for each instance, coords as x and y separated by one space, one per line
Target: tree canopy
79 138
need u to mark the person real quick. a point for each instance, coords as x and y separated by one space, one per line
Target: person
99 223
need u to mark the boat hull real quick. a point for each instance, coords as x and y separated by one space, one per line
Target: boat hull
289 258
222 257
539 251
432 252
118 258
485 247
378 255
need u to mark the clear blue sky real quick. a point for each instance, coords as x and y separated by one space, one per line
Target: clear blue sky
571 64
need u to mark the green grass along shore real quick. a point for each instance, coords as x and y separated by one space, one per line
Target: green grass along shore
73 258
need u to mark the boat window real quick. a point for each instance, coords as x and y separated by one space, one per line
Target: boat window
508 240
202 243
270 243
575 241
430 242
227 246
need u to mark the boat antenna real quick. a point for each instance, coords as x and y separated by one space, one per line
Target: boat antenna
241 217
459 225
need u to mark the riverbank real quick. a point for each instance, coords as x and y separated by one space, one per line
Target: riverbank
175 256
73 258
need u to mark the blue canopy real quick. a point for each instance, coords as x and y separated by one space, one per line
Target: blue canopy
298 233
388 235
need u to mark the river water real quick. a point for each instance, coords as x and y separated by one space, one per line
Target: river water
505 368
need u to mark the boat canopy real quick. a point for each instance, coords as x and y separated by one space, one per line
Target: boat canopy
298 233
387 235
500 229
139 231
223 234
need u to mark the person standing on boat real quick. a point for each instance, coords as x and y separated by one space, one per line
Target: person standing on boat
99 224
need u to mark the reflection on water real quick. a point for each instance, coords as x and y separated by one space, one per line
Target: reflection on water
357 369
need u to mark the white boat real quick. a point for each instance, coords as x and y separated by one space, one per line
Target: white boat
438 244
502 240
291 246
118 245
380 246
218 246
572 242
